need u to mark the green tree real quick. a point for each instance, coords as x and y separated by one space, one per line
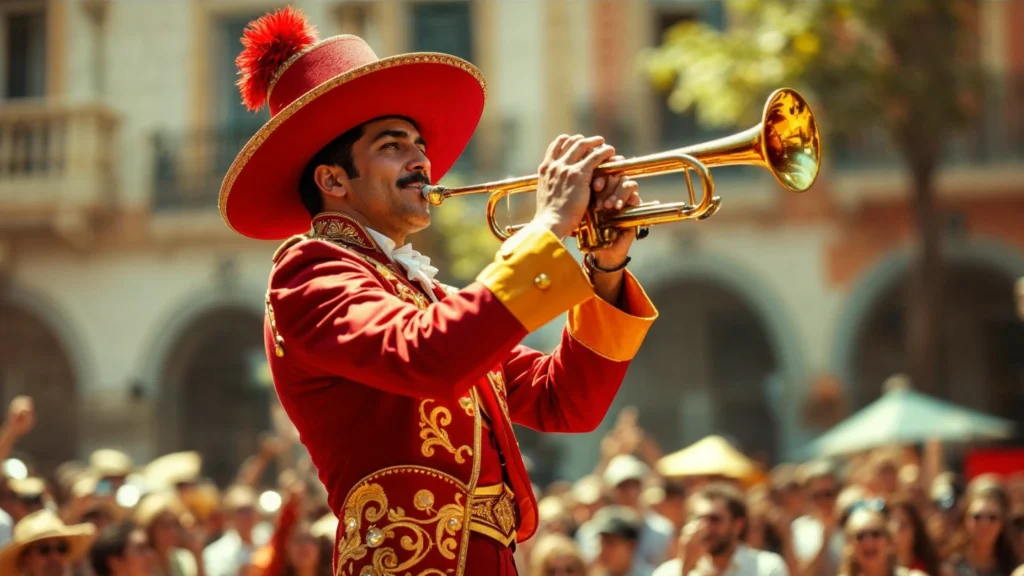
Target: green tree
907 67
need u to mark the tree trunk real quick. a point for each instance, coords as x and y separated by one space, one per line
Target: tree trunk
923 330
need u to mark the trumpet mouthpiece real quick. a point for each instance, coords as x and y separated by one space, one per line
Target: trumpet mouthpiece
433 194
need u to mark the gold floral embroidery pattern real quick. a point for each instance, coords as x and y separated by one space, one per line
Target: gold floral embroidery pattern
410 295
467 405
278 340
433 433
493 512
385 272
341 231
497 380
416 536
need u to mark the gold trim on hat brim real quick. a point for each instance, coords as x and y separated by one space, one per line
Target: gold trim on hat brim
79 536
281 117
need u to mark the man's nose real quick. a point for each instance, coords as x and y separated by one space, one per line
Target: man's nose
419 163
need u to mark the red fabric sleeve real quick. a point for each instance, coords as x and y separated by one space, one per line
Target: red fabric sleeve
569 390
335 315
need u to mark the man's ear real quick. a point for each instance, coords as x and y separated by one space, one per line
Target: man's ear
331 180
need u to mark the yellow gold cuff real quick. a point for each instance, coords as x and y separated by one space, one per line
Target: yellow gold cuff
536 277
610 332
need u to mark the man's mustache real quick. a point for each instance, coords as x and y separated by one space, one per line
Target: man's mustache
414 178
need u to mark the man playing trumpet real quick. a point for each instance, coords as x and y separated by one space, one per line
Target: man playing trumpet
405 391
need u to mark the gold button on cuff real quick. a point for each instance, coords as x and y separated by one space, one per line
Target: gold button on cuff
542 281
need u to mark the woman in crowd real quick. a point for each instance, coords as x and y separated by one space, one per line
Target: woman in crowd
986 544
869 549
556 555
914 548
160 516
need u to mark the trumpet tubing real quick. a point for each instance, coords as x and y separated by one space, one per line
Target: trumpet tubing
786 142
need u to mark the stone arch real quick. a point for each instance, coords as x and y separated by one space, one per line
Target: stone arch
874 283
751 307
201 369
42 355
982 335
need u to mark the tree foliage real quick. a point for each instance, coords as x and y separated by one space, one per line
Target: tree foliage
910 67
900 65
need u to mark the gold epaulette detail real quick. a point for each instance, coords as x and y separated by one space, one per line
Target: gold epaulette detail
288 244
278 341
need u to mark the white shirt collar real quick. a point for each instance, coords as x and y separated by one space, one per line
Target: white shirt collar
386 245
416 266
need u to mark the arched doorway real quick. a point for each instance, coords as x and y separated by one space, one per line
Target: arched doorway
982 342
705 368
213 399
34 362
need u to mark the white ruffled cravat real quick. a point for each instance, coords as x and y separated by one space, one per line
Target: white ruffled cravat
417 266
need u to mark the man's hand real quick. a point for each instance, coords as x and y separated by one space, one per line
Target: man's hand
614 193
566 179
21 416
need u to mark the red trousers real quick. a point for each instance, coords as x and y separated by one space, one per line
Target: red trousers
486 557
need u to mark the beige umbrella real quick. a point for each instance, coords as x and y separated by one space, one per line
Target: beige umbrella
713 456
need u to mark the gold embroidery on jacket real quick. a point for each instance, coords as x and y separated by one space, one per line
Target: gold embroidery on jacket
497 380
410 295
340 231
467 405
278 340
433 433
416 536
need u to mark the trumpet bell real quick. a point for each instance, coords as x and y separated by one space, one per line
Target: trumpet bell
790 143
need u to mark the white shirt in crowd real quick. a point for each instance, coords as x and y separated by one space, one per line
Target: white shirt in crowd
807 534
228 554
744 562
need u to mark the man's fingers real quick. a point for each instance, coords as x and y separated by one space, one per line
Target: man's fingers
619 197
566 144
598 156
584 146
555 145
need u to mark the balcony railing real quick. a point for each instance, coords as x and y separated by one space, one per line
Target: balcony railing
188 167
54 158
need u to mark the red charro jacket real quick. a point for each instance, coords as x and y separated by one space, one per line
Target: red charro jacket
406 406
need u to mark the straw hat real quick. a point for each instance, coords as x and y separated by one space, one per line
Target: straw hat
170 470
43 525
202 500
107 462
30 487
154 505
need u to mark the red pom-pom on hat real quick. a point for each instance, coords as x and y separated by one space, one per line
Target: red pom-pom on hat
268 43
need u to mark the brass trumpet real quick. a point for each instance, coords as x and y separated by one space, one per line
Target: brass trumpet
786 142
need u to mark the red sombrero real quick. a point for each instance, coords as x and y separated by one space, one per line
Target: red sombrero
318 90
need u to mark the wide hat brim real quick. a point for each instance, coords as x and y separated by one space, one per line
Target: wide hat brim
444 95
80 538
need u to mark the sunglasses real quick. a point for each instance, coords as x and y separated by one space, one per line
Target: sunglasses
823 495
978 516
872 534
46 548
